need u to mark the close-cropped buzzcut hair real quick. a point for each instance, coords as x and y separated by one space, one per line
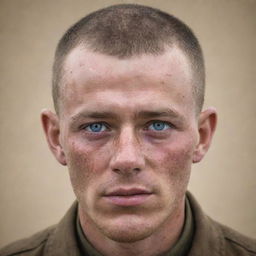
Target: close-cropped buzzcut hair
128 30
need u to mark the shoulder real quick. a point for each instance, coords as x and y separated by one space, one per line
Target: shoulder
33 245
213 238
59 239
235 242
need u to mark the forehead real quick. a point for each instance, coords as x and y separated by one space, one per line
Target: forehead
86 72
82 62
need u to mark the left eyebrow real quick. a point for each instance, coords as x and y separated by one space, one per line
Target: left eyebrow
161 113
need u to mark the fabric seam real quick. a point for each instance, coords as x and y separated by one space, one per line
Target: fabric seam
241 245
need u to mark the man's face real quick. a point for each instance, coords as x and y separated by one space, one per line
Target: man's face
128 130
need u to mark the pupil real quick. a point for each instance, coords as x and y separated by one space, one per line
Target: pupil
159 126
96 127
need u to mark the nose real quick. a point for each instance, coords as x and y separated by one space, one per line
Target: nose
127 154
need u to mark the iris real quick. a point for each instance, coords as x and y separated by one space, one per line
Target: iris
96 127
159 126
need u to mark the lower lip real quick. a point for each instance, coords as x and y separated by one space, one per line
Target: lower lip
132 200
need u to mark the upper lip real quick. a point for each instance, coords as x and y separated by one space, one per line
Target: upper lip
128 192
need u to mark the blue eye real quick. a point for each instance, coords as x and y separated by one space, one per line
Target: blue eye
96 127
159 126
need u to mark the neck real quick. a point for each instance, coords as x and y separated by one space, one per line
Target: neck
159 242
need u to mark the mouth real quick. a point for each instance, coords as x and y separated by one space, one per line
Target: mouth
128 196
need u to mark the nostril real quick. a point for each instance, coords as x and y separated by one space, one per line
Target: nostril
126 170
116 170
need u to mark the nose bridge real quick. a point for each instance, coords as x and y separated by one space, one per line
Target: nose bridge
127 154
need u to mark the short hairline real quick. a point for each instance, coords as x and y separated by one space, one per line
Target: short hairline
180 36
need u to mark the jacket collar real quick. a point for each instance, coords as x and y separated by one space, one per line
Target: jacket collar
63 240
207 237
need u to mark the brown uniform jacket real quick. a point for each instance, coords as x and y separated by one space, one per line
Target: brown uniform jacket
210 239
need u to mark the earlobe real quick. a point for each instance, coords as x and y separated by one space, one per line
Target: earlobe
50 122
206 128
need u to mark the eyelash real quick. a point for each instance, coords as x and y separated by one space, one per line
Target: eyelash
107 128
154 122
84 127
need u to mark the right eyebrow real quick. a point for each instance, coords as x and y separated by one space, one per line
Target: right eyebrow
93 115
77 118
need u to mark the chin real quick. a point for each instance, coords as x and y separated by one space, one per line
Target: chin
128 236
129 229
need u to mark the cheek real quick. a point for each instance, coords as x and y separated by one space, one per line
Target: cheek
84 165
174 154
173 160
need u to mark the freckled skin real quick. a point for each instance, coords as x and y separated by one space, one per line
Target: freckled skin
162 162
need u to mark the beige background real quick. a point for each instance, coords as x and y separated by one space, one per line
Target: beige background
35 190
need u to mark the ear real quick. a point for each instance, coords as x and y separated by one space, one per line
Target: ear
206 126
50 122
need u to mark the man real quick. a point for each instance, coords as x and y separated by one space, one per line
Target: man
128 89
